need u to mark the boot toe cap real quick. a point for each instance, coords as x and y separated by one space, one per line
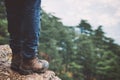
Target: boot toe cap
45 64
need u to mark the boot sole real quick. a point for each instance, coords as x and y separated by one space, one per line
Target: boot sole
27 72
14 68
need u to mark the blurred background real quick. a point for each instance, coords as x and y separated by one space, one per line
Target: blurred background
79 38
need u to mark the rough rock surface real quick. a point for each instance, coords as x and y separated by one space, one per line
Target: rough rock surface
7 74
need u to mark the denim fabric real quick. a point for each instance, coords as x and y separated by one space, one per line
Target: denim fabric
24 26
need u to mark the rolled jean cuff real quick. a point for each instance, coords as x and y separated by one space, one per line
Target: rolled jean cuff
29 55
16 46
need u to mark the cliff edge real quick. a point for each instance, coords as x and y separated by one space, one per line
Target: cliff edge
7 74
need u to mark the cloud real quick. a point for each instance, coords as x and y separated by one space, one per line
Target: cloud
97 12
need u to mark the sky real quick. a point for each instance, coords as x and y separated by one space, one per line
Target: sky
96 12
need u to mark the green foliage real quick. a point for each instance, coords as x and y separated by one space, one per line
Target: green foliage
3 25
2 9
84 55
3 28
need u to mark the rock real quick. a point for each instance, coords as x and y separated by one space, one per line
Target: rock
7 74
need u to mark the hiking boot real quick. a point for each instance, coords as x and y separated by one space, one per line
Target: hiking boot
16 61
33 65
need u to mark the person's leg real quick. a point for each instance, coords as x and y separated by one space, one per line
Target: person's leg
14 17
31 24
31 27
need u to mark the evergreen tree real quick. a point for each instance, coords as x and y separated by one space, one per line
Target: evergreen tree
85 27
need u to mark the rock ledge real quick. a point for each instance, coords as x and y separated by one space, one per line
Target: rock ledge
7 74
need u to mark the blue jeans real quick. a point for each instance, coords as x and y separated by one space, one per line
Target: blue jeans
24 26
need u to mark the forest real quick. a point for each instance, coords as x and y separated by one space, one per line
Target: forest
82 54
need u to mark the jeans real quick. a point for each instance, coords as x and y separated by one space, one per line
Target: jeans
24 26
